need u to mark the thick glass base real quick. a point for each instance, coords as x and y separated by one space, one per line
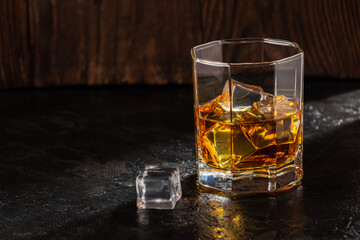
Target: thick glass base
270 180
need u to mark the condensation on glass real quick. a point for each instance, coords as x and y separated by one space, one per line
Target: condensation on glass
248 104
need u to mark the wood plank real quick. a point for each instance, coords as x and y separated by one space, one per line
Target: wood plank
15 52
147 41
105 42
64 39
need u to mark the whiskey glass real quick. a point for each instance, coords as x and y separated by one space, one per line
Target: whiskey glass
248 109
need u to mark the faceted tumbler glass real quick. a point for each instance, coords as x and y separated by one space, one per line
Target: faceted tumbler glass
248 102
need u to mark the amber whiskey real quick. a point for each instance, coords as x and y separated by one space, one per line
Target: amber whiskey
259 138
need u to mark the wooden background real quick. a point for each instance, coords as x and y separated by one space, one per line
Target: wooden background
94 42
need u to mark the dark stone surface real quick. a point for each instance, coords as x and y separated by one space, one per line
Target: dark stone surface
69 157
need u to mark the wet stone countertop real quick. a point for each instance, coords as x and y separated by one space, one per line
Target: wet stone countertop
69 158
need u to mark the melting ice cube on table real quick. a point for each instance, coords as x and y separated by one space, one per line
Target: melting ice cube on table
158 187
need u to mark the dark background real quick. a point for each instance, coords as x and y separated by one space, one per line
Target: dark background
69 155
100 42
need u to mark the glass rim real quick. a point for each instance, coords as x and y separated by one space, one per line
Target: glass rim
246 40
